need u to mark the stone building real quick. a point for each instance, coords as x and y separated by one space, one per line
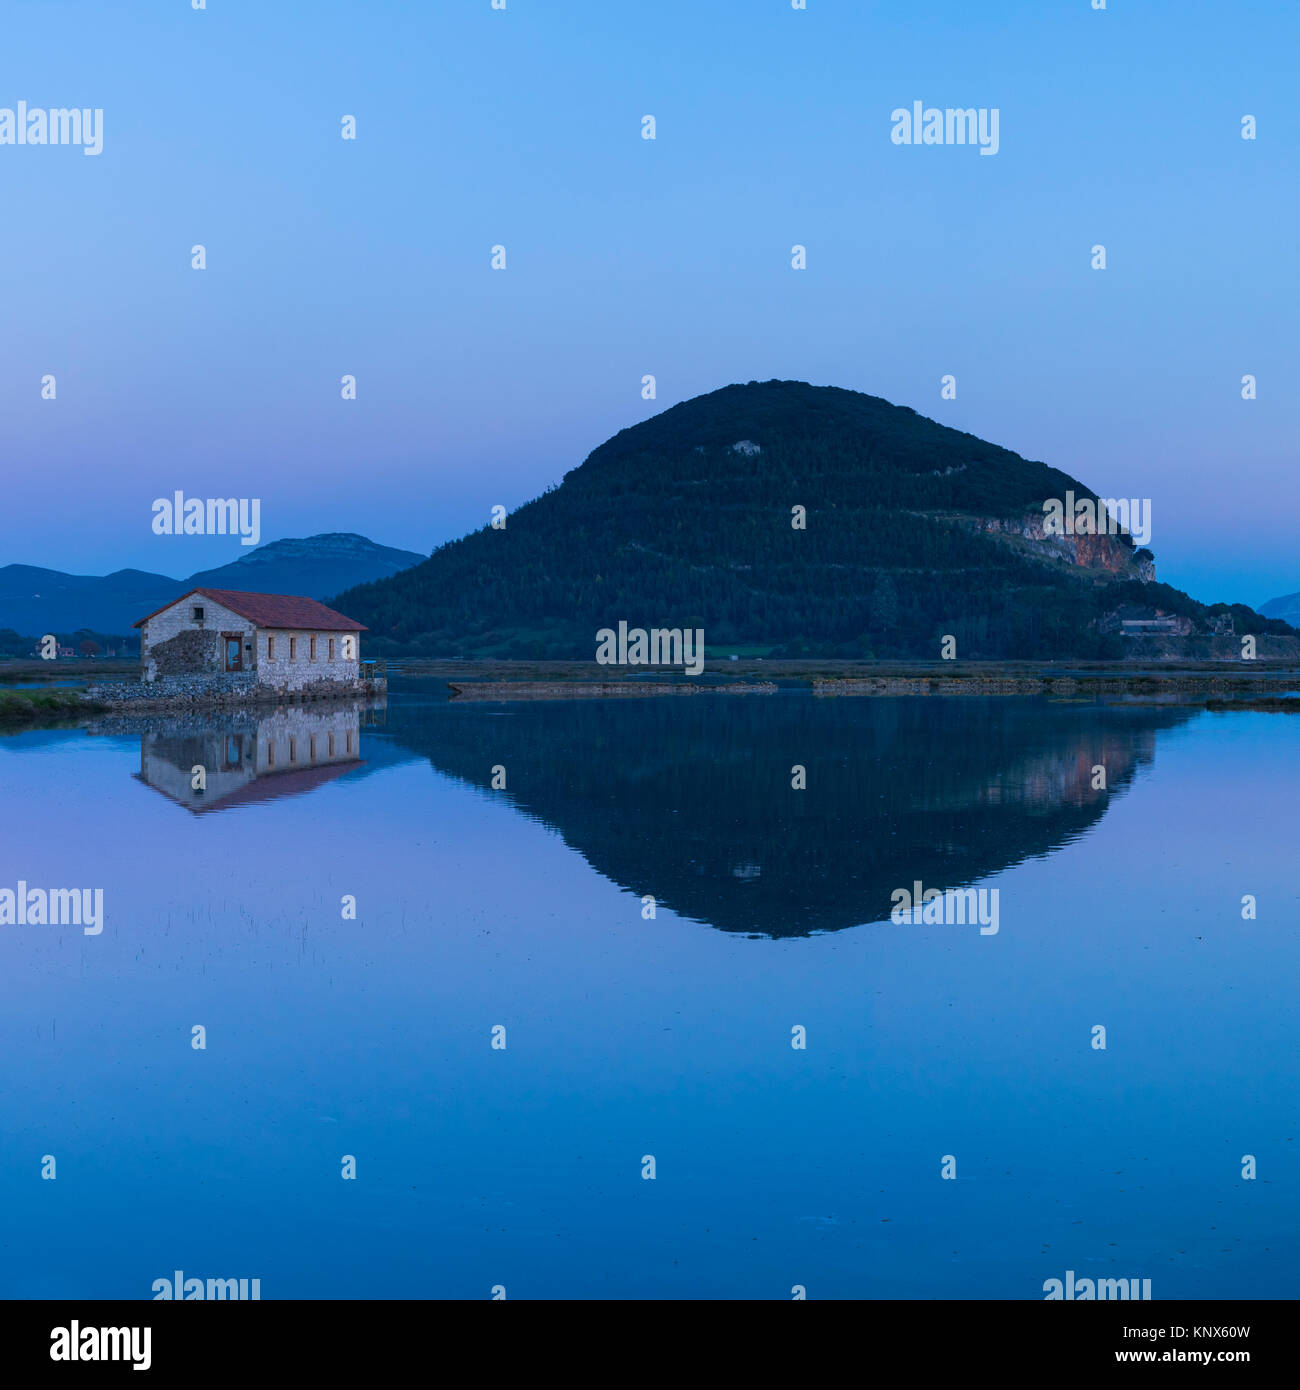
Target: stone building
221 642
1132 621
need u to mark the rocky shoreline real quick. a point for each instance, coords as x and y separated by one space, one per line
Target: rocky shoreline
1215 684
586 690
1077 685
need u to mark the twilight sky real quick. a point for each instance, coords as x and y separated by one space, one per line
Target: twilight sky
626 256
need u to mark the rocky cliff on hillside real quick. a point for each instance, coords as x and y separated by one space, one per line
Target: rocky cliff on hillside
1111 555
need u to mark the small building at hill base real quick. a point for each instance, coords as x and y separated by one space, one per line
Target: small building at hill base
1132 621
220 641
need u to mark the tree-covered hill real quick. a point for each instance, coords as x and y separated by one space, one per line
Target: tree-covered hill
912 531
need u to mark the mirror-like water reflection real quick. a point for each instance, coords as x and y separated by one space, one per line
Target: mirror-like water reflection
353 905
694 803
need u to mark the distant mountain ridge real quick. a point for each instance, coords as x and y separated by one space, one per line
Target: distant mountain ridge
794 520
1287 608
34 601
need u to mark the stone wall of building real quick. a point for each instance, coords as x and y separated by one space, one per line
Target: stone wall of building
194 651
237 687
302 672
235 690
162 630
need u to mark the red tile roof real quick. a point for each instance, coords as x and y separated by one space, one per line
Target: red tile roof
267 786
271 610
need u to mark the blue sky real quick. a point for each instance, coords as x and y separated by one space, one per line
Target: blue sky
626 256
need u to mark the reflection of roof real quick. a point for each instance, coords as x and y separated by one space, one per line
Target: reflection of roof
270 610
270 786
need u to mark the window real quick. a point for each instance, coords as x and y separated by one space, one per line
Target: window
312 649
348 740
270 648
270 753
311 747
293 649
293 749
198 614
331 745
331 649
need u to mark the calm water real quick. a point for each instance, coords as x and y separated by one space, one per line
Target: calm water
626 1036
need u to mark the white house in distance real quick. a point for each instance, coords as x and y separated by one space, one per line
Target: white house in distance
220 638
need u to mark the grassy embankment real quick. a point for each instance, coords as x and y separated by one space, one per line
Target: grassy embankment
25 706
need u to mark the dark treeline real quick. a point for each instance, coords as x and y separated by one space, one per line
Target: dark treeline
669 524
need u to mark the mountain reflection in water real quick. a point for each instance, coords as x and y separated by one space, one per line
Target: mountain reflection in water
352 948
691 801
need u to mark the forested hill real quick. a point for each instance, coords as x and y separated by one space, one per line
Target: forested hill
912 530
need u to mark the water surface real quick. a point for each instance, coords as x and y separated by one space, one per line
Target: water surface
626 1036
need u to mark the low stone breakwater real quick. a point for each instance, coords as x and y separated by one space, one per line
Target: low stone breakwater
597 690
221 692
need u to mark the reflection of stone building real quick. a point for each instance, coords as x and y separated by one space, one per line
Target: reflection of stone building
250 757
